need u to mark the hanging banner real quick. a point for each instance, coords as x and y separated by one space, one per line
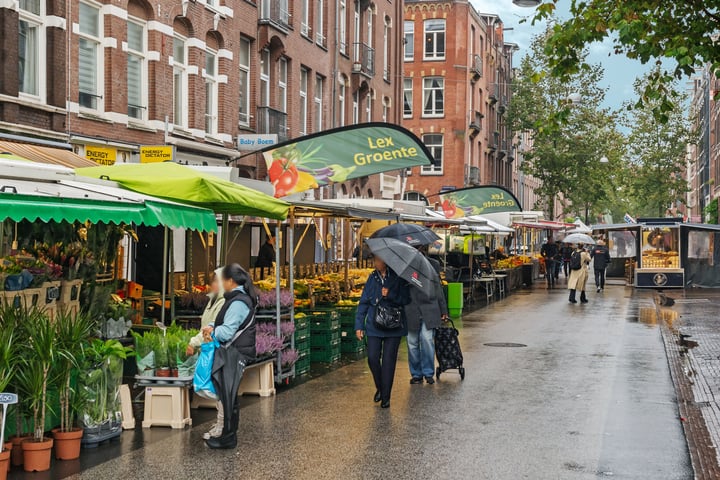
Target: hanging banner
482 200
341 154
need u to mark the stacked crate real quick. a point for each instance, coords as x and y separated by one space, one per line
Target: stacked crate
302 345
325 337
350 343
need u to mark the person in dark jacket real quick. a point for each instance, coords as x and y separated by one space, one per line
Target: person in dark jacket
383 285
601 255
550 252
234 328
425 313
566 251
266 255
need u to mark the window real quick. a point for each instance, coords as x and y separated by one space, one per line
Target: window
265 79
368 106
356 108
282 84
386 51
180 82
409 36
342 28
276 11
31 55
89 58
318 103
386 108
303 101
305 17
370 27
244 61
341 103
434 39
407 97
356 32
136 92
433 95
434 143
320 25
211 93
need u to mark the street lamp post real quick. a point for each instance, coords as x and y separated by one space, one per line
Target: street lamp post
527 3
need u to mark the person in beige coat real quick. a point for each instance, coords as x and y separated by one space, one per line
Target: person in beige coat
579 277
217 300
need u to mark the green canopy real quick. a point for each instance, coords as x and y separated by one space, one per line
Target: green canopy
182 184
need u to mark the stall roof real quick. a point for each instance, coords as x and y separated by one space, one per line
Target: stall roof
68 200
40 154
330 209
178 183
544 225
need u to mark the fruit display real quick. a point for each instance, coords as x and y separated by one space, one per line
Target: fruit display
512 262
654 259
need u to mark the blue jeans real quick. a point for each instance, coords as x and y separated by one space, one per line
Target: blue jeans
421 352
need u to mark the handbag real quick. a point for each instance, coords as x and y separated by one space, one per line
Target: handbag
388 317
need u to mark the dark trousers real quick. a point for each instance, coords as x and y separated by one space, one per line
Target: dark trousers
382 358
566 266
550 266
600 278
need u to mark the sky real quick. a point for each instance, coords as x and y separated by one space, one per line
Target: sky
620 72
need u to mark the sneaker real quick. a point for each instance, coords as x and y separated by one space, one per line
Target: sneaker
416 381
430 380
598 289
214 432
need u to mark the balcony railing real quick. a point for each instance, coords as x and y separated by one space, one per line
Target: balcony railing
270 120
275 12
477 67
364 59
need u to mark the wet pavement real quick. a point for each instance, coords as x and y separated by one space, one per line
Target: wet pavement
589 396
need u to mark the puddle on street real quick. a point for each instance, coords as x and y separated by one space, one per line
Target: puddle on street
653 315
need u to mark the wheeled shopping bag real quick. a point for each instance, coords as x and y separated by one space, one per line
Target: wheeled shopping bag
447 350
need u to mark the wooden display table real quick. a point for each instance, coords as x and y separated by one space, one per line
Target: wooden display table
167 401
258 379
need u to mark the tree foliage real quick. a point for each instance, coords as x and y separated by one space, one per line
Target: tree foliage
684 31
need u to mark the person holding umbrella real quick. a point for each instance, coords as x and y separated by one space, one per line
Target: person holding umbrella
579 262
384 294
234 329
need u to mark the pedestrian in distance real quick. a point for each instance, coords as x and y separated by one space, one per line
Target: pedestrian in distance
566 252
601 257
266 255
217 300
234 329
579 262
383 289
425 312
550 252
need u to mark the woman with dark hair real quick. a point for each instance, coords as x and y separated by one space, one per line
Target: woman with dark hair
383 287
234 329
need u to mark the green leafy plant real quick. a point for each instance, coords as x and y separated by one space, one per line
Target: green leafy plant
101 379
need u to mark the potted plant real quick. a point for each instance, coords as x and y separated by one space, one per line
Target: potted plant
162 363
33 374
73 331
144 353
7 368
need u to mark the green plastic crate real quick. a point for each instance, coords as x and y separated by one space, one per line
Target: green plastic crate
302 366
324 321
324 339
302 335
303 346
301 323
352 347
325 355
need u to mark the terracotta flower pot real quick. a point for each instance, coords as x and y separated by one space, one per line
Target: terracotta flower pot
17 452
4 463
67 444
36 455
162 372
8 448
173 372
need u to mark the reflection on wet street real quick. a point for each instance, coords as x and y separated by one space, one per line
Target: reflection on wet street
588 396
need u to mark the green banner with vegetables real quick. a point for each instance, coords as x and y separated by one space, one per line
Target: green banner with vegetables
342 154
481 200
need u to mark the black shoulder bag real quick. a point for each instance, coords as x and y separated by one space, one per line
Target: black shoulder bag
387 315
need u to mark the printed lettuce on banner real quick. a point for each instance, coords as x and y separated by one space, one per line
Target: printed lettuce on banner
341 154
481 200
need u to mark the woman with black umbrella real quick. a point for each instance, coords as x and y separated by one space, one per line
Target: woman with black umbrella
387 293
234 329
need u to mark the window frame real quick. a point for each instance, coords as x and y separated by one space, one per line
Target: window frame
408 92
432 169
356 107
435 34
368 106
282 89
342 98
97 41
245 90
142 56
303 93
318 102
211 82
433 92
342 28
36 22
386 50
305 27
411 42
180 68
265 77
320 38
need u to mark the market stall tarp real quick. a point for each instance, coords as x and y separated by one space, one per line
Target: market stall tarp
341 154
181 184
480 200
79 202
49 155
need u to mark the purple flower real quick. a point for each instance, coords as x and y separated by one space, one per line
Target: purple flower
289 357
266 344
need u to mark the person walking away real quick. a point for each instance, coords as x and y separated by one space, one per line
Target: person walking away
549 252
566 252
424 313
601 256
579 261
266 255
234 329
383 287
217 300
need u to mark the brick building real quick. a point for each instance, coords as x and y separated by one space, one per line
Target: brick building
458 70
104 78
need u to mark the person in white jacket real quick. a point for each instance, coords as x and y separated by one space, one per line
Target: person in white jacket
217 300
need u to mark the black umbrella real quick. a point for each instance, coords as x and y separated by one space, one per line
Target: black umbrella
406 261
226 374
410 233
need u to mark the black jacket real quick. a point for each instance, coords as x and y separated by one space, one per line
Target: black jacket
550 250
245 343
601 255
266 256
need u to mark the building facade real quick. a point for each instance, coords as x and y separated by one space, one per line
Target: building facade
456 90
106 78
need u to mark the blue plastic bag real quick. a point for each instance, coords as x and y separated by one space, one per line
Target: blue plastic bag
202 381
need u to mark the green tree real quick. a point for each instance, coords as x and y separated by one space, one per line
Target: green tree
565 156
683 31
657 151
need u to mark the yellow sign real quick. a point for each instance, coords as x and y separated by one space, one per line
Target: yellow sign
156 154
101 155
